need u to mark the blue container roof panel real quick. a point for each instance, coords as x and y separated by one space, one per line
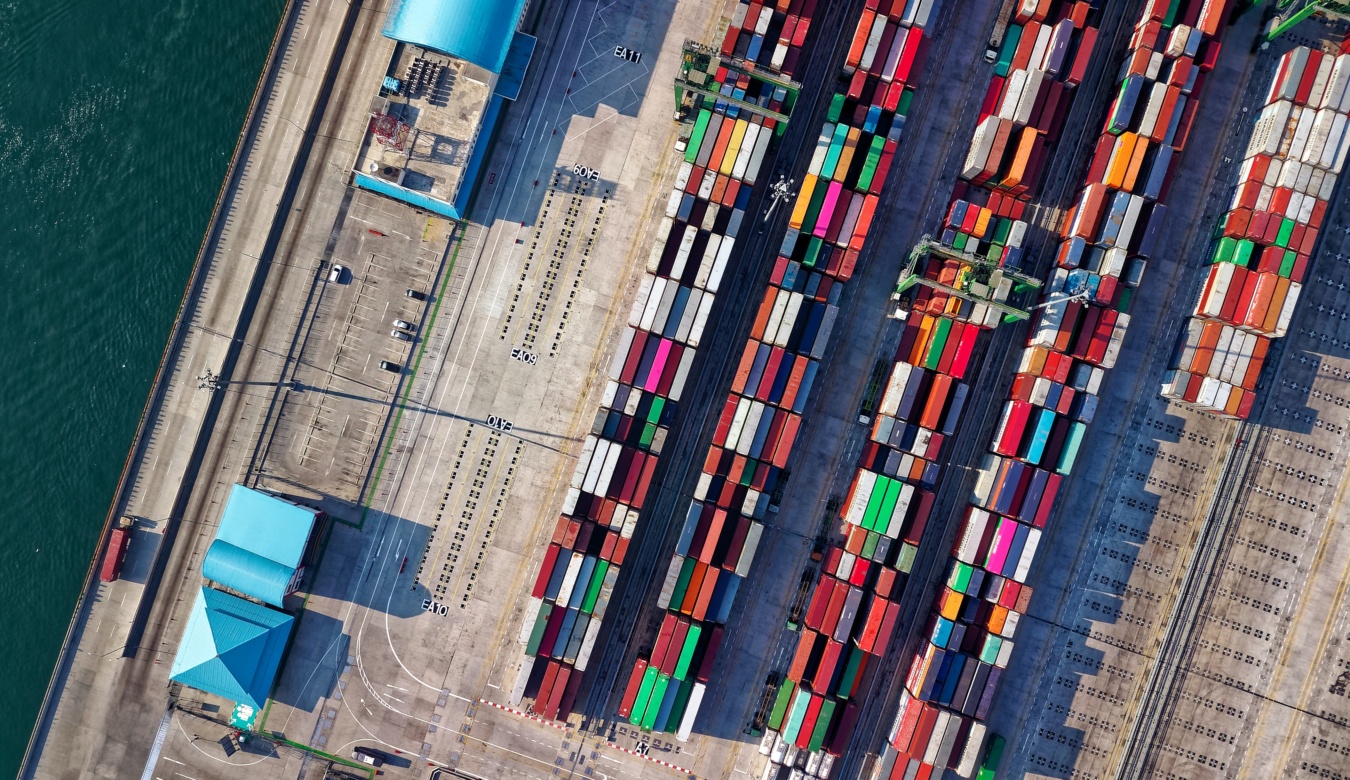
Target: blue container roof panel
478 31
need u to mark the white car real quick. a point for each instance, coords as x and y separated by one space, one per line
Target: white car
368 756
336 273
402 324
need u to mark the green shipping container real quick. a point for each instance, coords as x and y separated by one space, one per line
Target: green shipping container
658 405
678 708
906 97
836 107
938 343
695 140
989 653
905 562
654 704
597 581
812 249
1223 251
682 582
537 633
850 675
959 243
869 547
780 704
960 577
1242 253
813 207
1069 454
869 169
644 696
796 715
1287 263
687 652
822 725
1001 230
648 433
883 518
1126 298
874 502
1286 232
1170 18
1005 55
832 154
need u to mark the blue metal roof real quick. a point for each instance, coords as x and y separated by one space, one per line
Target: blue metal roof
478 31
259 544
247 572
231 648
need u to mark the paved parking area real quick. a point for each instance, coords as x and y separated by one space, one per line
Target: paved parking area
332 407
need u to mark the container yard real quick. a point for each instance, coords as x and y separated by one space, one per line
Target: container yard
847 458
721 162
1260 259
827 227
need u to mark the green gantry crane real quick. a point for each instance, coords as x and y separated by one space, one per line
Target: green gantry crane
699 62
1289 13
981 285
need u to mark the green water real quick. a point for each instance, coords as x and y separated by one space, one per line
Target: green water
117 121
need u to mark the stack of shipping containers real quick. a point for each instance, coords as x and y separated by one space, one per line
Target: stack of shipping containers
769 34
853 609
704 215
1260 259
951 680
829 223
1044 55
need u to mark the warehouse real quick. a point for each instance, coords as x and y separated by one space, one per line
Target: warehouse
262 545
456 65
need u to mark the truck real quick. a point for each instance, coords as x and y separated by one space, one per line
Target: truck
116 552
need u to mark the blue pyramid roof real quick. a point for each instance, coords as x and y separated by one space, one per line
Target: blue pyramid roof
232 648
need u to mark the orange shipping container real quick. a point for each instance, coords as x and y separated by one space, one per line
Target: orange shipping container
1136 162
1120 161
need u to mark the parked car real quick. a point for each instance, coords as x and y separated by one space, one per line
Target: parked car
336 273
391 366
416 295
403 324
368 756
401 335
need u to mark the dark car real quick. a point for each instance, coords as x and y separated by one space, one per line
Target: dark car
416 295
391 366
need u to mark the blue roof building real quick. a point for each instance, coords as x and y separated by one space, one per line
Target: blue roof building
260 545
478 31
481 33
232 648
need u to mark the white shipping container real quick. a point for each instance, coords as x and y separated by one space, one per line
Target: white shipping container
1320 81
873 41
655 290
587 644
973 752
705 187
1043 34
757 156
1012 93
1026 103
570 578
1336 81
1287 311
640 300
895 388
981 143
789 320
690 312
861 495
584 461
738 422
971 534
822 147
746 151
752 538
893 57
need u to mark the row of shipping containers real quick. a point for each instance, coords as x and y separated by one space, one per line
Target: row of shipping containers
1259 259
769 35
776 372
705 213
951 681
852 611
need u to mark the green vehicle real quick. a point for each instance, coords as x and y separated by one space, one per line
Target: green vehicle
992 758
